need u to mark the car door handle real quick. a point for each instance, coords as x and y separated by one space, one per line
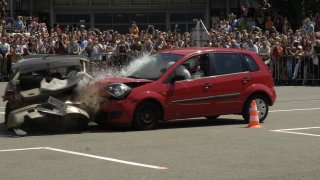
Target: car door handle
246 80
208 85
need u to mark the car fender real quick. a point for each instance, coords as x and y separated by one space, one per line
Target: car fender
147 95
260 88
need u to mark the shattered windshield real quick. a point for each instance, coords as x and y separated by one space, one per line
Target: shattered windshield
151 67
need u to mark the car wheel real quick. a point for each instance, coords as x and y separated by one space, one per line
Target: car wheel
83 124
262 107
212 117
146 116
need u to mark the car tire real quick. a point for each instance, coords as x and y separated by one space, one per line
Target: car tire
212 117
83 124
147 116
262 107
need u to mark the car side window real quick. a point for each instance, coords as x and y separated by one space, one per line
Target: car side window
195 67
227 63
251 63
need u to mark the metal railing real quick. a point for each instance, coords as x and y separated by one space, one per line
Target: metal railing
296 70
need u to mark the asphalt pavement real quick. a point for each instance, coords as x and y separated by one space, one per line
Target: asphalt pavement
286 147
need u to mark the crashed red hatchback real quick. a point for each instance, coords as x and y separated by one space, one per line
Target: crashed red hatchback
186 83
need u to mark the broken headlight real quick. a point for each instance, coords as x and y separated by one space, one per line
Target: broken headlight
119 91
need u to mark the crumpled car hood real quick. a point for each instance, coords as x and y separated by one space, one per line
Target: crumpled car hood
112 80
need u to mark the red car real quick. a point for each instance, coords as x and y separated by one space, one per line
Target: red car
186 83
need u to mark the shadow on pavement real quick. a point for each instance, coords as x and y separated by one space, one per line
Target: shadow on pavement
200 122
94 128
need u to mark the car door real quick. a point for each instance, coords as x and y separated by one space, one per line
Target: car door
230 81
189 97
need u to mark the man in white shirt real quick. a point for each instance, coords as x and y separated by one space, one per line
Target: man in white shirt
4 52
264 52
252 47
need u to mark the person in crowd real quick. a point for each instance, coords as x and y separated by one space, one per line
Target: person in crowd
57 29
122 50
97 50
252 47
87 51
4 54
60 46
147 45
234 44
73 46
271 39
134 30
169 44
158 44
308 26
290 53
315 53
136 47
19 24
82 42
264 52
298 59
276 54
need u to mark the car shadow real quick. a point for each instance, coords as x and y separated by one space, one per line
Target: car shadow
199 122
94 128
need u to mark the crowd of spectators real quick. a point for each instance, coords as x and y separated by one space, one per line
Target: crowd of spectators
256 29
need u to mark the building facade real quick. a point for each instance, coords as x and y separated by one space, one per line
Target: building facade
119 14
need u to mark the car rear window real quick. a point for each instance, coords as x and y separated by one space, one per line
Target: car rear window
251 63
227 63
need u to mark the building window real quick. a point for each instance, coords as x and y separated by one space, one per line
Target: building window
122 2
60 2
103 18
121 18
140 2
178 17
100 2
198 1
73 18
179 2
64 18
192 16
140 18
81 18
159 2
80 2
157 18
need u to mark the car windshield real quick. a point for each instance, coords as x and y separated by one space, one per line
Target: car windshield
151 67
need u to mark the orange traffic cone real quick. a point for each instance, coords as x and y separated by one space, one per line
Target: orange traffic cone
254 116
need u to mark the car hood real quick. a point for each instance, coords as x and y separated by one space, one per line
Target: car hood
128 81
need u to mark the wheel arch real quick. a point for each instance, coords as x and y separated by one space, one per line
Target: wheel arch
262 93
152 100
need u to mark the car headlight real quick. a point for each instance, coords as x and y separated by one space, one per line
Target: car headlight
119 91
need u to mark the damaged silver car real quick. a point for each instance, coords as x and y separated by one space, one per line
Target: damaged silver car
44 90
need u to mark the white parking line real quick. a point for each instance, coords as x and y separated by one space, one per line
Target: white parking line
291 131
88 155
289 110
23 149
